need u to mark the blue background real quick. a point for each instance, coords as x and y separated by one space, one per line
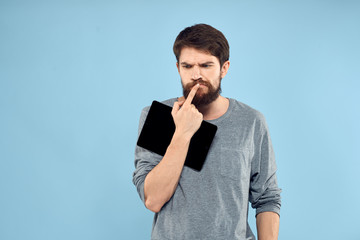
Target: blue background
74 76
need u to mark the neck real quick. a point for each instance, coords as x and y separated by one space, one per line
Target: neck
215 109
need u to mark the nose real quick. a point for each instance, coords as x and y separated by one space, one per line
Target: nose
196 73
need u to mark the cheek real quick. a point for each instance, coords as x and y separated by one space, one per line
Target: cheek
214 74
184 76
213 77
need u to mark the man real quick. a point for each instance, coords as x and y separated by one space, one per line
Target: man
240 165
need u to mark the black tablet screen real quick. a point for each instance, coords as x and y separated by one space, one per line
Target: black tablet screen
159 128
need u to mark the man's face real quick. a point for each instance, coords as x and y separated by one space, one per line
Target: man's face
196 66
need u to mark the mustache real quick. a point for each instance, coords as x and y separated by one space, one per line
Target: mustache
200 81
202 98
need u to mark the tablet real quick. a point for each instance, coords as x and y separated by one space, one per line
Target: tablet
159 128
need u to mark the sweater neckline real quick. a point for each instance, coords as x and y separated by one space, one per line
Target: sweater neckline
225 115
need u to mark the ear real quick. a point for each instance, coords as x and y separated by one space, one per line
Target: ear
177 65
225 68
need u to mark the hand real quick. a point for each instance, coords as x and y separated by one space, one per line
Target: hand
187 118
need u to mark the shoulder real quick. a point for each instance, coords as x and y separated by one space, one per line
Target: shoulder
246 111
249 116
146 109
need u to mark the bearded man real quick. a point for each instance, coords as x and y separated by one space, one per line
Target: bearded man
239 168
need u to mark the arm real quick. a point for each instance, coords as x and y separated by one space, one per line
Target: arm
264 190
267 224
161 182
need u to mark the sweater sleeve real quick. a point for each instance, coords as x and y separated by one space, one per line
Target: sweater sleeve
145 160
264 191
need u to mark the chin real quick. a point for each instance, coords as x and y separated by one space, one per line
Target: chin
201 92
201 95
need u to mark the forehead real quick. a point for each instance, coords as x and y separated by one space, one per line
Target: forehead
192 55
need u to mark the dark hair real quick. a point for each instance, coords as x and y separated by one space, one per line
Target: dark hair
203 37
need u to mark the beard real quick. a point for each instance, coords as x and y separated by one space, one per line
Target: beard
202 98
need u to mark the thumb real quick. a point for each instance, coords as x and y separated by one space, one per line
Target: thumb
175 108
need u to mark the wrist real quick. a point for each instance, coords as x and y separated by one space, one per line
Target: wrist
181 138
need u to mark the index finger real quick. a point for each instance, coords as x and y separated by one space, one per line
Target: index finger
191 94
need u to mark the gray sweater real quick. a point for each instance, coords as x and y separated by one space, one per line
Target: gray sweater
213 203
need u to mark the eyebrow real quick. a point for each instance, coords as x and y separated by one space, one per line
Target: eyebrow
205 63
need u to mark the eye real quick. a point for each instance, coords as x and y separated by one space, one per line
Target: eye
206 65
187 66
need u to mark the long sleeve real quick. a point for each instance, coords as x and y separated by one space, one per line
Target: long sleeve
264 190
145 161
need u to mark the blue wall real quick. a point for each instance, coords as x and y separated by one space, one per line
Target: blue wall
74 76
